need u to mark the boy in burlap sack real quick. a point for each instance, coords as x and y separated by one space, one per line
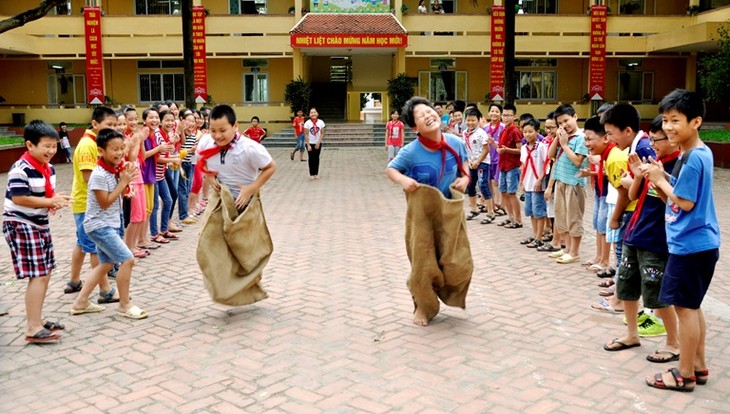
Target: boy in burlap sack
235 243
434 173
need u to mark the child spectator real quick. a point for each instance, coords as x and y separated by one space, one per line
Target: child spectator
192 135
164 138
255 132
85 157
551 127
532 158
106 185
29 197
436 160
314 130
394 133
494 129
510 142
298 124
65 143
569 152
135 230
152 151
693 235
456 124
477 149
645 257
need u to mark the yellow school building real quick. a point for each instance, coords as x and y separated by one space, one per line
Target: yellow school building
255 47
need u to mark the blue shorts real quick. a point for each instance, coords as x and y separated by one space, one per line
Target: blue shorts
509 181
110 246
82 239
600 214
687 278
535 205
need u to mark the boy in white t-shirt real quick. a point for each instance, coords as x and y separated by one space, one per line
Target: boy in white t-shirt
478 149
532 157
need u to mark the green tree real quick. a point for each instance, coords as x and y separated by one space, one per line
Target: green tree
297 94
29 15
400 90
714 69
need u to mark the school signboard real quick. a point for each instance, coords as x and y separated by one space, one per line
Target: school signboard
348 41
496 59
200 71
94 61
349 6
597 67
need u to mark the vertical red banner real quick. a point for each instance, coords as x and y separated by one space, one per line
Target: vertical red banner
597 68
496 60
94 58
200 71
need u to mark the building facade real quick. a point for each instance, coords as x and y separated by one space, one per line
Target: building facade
253 52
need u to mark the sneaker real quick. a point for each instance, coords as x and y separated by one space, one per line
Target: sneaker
652 327
555 255
641 317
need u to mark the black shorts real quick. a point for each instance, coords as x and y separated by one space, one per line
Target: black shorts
640 276
687 278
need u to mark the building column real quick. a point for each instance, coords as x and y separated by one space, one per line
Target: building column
397 4
690 77
399 61
297 64
298 5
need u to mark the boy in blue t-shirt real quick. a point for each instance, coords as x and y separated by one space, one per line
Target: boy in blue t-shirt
693 235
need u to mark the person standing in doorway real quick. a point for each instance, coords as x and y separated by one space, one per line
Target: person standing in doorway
314 134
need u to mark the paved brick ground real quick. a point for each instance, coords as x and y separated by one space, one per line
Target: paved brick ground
335 334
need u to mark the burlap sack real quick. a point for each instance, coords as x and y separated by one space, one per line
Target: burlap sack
233 249
438 248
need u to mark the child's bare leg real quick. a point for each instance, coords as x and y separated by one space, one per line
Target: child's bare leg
35 294
124 276
490 206
94 277
533 222
143 240
699 363
473 204
669 317
540 223
495 192
548 225
691 323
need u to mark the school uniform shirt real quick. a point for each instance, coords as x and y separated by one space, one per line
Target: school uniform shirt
509 138
96 216
239 165
393 131
424 165
24 180
315 130
695 230
160 137
563 169
494 132
255 133
641 145
149 169
189 143
533 162
85 156
474 142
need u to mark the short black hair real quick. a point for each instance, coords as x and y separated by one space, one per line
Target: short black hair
395 111
594 124
129 108
185 112
254 117
62 124
101 113
656 124
622 116
38 129
106 135
147 112
496 105
685 102
525 117
407 110
565 109
603 108
533 122
473 111
165 113
223 111
550 115
510 106
459 105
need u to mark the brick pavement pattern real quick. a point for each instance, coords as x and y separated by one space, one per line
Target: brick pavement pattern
335 334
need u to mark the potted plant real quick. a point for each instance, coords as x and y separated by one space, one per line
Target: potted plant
400 89
297 94
292 9
404 9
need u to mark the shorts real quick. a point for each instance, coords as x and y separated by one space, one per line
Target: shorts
392 151
82 239
494 172
471 189
31 249
570 204
611 234
640 276
110 246
138 203
149 198
600 217
509 181
687 278
535 205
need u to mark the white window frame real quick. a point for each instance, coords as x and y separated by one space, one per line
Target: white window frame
543 96
538 4
261 5
54 89
256 76
162 91
171 10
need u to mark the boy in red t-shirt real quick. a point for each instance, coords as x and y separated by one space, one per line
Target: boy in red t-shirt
393 135
255 132
298 124
510 148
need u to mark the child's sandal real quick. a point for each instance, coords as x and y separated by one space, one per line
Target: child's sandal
170 236
680 383
72 287
702 376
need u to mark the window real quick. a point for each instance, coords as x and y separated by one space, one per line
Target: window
157 6
247 6
631 7
533 85
536 62
443 85
64 9
440 63
255 63
539 6
636 86
154 87
255 87
159 64
66 89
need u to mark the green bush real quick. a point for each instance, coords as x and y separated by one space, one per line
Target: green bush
297 94
400 90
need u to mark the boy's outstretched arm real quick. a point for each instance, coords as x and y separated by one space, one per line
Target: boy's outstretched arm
408 183
250 189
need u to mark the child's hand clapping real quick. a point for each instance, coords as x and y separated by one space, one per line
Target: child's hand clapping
60 200
130 172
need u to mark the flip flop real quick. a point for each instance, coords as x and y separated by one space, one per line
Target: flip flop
606 292
160 239
92 308
134 313
595 267
170 236
566 259
621 346
43 336
655 357
604 306
150 246
588 262
54 326
606 283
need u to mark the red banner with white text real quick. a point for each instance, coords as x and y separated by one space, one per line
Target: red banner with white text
200 71
94 57
496 60
597 68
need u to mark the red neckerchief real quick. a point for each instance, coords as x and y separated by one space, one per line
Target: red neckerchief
108 168
443 146
644 190
467 135
548 140
42 168
160 133
492 131
560 150
600 173
531 162
203 155
89 134
315 129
